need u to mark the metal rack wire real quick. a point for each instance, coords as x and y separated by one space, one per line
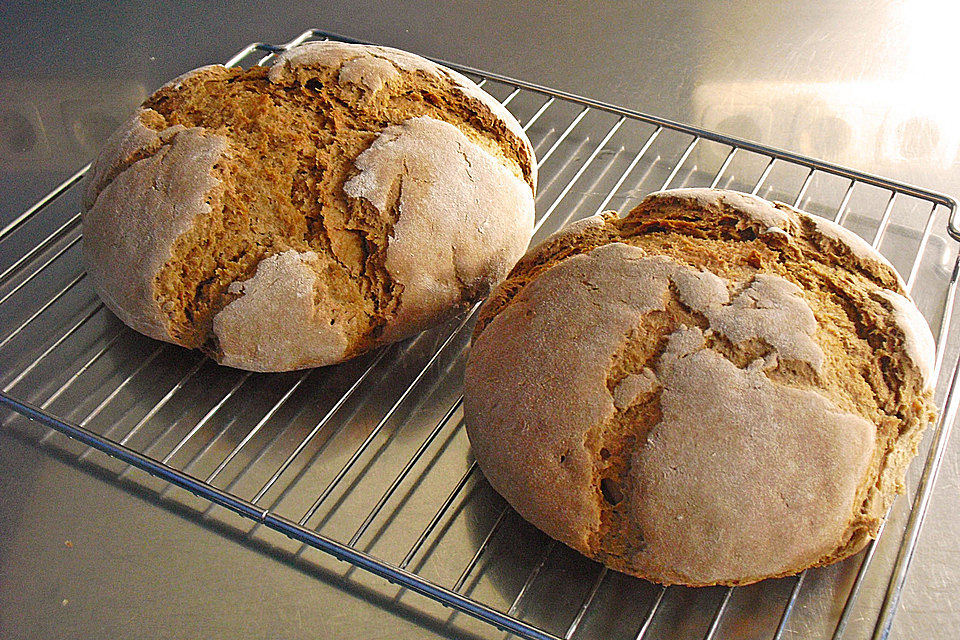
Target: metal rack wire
368 462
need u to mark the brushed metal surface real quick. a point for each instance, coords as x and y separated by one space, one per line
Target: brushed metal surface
136 569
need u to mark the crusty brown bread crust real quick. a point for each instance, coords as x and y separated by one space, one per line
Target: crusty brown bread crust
298 215
714 389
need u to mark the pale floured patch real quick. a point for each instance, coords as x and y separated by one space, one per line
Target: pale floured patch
137 215
463 216
773 310
275 324
700 290
408 61
314 54
371 72
366 66
769 308
633 386
130 139
770 483
576 228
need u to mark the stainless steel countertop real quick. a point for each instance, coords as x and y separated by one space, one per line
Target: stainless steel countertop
860 83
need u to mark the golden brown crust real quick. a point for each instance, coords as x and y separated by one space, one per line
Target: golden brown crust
408 187
748 388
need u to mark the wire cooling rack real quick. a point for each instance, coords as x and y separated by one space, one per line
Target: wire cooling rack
368 461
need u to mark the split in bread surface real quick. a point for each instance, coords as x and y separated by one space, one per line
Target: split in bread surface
295 216
713 389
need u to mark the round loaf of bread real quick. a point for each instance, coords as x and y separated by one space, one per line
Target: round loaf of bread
298 215
714 389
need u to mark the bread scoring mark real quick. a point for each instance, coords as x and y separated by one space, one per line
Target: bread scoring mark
275 320
771 482
455 203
